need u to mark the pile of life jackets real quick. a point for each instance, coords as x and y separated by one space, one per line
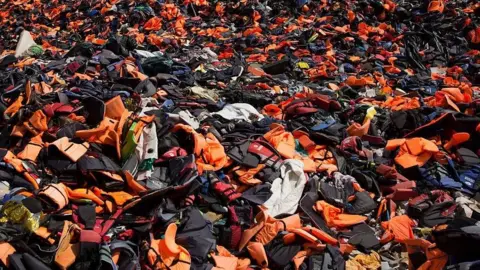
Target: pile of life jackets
239 135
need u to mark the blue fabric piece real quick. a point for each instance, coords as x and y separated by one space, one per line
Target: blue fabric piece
71 94
471 178
205 184
431 116
301 3
447 182
441 177
11 196
386 45
265 122
45 78
454 173
314 48
168 104
111 67
139 64
114 25
6 165
221 104
299 149
349 68
324 125
429 89
121 93
93 13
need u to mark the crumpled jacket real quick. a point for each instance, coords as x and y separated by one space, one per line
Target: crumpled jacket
398 228
287 189
413 151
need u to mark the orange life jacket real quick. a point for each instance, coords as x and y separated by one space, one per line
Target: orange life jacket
413 151
435 258
55 193
74 151
208 150
334 217
399 228
166 254
32 149
67 252
6 250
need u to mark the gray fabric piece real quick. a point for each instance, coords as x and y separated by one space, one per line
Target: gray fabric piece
106 257
126 246
466 205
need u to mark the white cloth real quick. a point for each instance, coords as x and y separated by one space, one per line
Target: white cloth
468 206
287 189
239 111
144 105
188 118
4 188
24 43
147 147
209 54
